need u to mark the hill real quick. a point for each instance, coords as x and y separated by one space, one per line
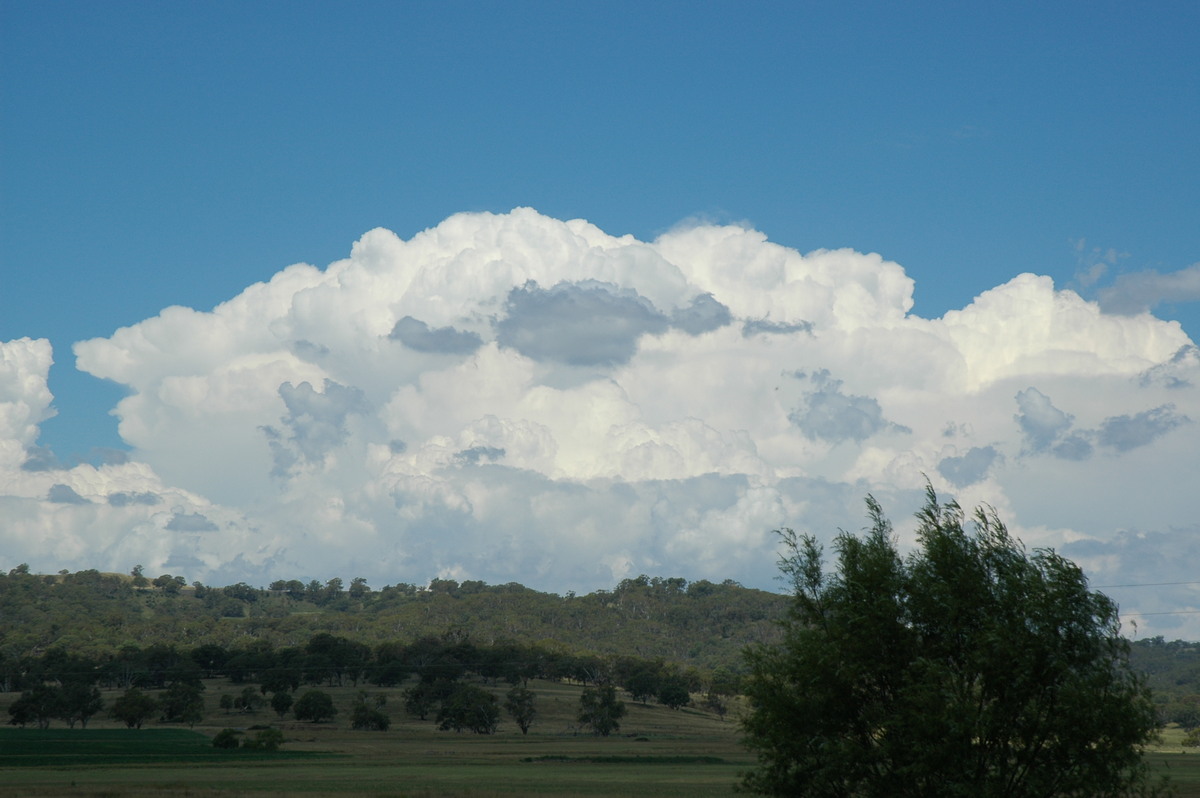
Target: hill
698 624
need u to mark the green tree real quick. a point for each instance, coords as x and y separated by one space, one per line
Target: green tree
422 699
248 701
226 738
79 703
369 715
600 709
281 702
134 708
265 740
972 667
471 708
674 693
643 683
37 705
182 702
520 704
315 706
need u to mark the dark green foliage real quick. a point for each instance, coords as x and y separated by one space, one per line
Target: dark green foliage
281 703
227 738
79 703
315 706
519 702
674 693
248 701
210 658
600 709
134 708
37 706
644 683
182 702
368 712
424 697
367 718
264 740
972 668
470 708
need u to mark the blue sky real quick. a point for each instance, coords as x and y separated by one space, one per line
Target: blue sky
175 154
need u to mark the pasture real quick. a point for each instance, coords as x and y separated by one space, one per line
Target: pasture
658 752
689 753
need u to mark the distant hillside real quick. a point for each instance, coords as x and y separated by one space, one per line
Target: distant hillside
701 624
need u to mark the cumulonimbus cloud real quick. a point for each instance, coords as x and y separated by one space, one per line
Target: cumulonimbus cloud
514 397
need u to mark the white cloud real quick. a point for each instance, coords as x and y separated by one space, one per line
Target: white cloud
513 397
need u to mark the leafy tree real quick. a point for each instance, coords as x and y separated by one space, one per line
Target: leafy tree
265 740
421 699
226 738
79 702
37 705
674 693
643 683
972 667
134 708
248 701
368 714
315 706
519 703
281 702
469 707
600 709
182 702
210 658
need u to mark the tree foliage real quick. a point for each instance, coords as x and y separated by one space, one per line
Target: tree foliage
519 702
134 708
972 667
315 706
469 708
600 709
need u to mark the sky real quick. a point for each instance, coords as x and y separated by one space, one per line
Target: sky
564 293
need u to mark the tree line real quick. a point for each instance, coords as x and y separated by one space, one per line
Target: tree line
444 675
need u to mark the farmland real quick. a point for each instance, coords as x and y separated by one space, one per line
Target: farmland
658 751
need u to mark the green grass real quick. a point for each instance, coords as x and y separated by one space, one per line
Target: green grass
106 747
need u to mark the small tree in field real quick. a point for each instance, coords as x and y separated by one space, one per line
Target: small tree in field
673 693
315 706
281 702
971 668
600 709
519 703
134 708
471 708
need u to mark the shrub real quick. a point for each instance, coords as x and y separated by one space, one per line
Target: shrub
226 738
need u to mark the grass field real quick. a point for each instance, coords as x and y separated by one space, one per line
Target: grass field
659 752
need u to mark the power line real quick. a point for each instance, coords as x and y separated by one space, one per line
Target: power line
1147 584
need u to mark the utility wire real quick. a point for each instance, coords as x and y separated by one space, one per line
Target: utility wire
1147 584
